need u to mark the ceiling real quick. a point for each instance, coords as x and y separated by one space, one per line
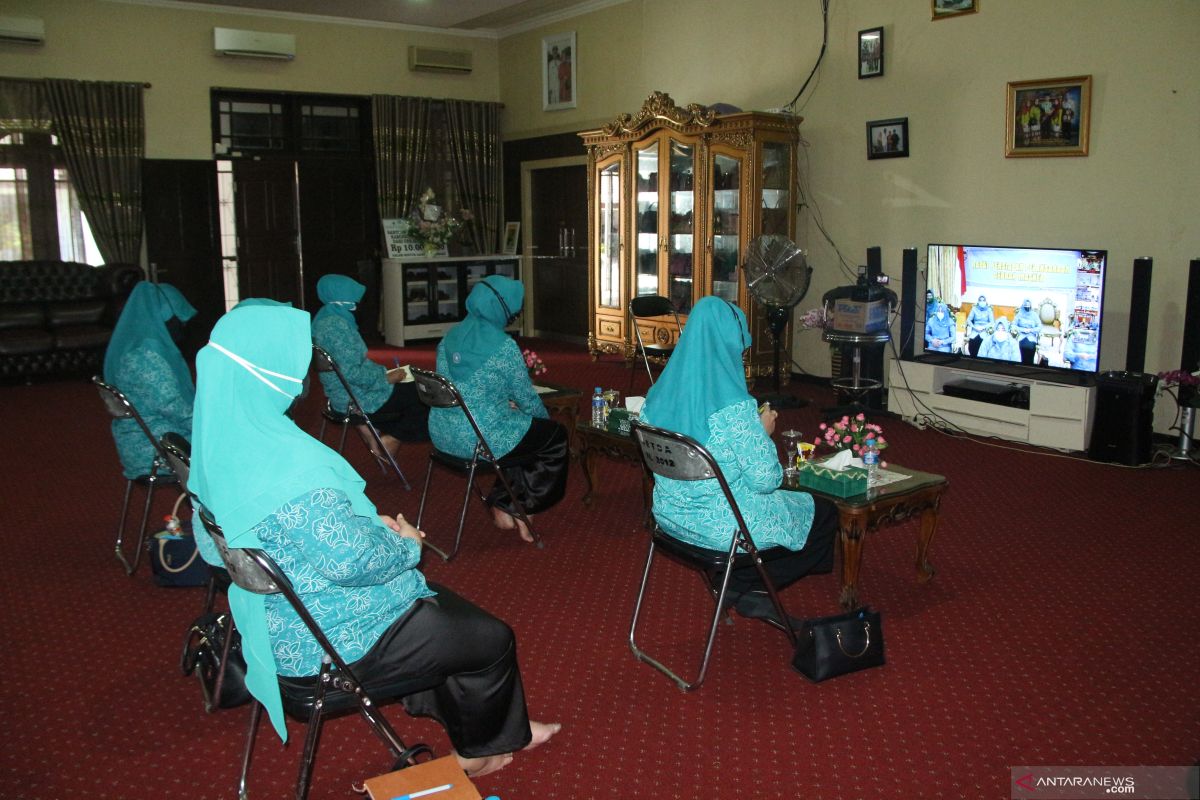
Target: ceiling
460 14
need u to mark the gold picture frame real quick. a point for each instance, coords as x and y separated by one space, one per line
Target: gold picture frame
1046 118
944 9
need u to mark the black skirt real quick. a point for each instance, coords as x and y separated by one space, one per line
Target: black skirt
536 468
403 415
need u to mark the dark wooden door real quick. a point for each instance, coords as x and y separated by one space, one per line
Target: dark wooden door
182 238
339 224
268 230
558 238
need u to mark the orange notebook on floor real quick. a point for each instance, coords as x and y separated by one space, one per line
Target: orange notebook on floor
429 775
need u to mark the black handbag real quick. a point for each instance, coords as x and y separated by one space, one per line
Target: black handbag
827 647
173 555
204 652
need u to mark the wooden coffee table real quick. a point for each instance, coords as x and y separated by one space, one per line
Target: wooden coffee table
594 442
920 493
562 402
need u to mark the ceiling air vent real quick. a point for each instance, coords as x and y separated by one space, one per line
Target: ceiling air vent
22 30
432 59
254 44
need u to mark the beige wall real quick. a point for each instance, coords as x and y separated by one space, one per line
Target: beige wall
173 50
1134 195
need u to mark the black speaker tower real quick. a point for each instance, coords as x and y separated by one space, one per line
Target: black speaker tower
1189 358
874 264
908 304
1139 315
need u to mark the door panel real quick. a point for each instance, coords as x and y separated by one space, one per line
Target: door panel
265 201
559 243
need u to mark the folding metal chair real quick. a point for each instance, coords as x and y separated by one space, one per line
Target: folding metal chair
353 415
645 307
437 391
672 455
335 690
119 407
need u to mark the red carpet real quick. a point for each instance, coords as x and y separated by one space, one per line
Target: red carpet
1060 630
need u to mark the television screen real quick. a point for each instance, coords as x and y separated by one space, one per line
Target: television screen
1035 306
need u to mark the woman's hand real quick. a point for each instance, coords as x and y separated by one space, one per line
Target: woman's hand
403 528
768 419
396 375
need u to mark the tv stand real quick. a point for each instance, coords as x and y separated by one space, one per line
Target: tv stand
1056 414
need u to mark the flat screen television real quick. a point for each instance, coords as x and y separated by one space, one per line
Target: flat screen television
1032 306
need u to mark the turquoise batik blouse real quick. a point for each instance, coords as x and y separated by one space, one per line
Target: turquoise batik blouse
145 376
696 512
356 578
367 379
487 392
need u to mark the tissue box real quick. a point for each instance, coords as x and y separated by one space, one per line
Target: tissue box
839 483
618 421
854 316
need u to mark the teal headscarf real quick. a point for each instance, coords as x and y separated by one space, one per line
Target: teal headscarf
259 301
143 323
705 373
470 343
248 458
339 295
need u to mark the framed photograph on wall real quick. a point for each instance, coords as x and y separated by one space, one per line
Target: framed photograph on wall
942 9
870 53
1049 117
887 138
511 231
559 60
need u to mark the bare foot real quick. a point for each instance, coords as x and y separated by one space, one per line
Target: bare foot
506 522
542 731
391 443
484 765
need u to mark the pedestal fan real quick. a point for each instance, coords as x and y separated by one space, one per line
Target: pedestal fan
778 276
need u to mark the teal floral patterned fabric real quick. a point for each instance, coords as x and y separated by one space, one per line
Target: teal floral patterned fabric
696 511
356 577
487 392
145 375
367 379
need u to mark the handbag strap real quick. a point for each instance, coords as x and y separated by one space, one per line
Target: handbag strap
863 652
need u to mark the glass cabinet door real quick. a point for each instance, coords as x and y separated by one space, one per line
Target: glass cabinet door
681 224
726 226
609 227
417 295
647 221
446 294
777 186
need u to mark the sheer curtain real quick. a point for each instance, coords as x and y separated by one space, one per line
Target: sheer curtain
944 274
101 128
473 139
402 133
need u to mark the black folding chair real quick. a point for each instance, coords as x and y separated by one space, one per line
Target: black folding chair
119 407
334 691
437 391
352 415
672 455
646 307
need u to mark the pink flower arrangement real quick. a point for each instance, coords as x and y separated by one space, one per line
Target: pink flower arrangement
533 363
851 433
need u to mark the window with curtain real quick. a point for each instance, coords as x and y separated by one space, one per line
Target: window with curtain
40 217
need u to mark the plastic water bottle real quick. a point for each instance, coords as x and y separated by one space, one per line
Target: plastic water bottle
870 459
598 408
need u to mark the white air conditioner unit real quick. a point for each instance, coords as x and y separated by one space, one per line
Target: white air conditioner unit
254 44
433 59
22 30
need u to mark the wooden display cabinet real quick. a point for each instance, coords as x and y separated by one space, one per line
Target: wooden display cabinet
674 197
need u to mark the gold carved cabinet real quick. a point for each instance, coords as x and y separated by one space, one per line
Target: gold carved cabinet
674 197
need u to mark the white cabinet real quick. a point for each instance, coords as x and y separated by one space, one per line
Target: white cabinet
1059 414
423 297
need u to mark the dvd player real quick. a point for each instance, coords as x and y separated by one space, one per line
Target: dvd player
1002 394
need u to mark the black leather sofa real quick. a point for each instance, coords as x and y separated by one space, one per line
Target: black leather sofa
56 317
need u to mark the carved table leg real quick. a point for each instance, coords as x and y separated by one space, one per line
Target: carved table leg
929 521
587 460
851 536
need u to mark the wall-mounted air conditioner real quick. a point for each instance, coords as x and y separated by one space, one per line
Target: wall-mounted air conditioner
254 44
433 59
22 30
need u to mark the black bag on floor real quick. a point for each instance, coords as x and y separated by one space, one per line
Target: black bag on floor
204 651
827 647
173 555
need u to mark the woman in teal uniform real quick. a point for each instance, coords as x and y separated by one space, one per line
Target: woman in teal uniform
702 394
486 365
143 361
272 486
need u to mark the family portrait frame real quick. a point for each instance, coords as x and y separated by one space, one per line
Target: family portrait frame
887 138
870 53
1047 118
945 9
560 59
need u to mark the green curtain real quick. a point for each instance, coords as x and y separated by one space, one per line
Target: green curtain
473 140
402 134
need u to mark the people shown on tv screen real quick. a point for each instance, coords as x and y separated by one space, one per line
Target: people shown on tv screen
939 330
931 303
1027 326
979 321
1000 344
